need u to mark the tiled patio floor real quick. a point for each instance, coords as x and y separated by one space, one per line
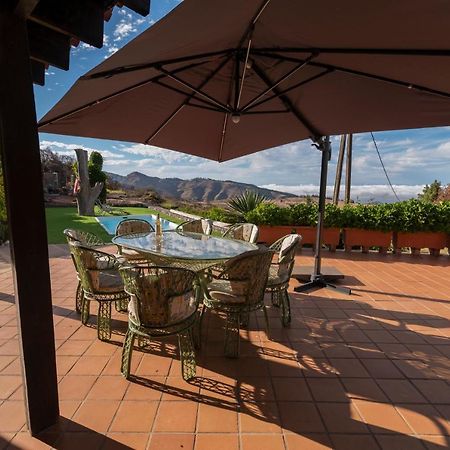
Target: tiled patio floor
368 371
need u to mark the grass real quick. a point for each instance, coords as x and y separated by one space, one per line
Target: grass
58 219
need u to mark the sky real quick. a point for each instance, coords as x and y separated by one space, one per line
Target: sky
412 158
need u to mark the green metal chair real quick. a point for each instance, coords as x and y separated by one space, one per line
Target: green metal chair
100 281
203 226
89 240
164 302
132 226
247 232
238 290
280 273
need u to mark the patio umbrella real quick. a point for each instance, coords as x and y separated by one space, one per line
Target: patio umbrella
225 79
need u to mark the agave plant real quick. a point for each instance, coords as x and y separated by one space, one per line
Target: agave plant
246 202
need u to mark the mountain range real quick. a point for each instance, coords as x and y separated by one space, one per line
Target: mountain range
197 189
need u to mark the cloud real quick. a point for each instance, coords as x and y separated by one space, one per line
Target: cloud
68 149
123 29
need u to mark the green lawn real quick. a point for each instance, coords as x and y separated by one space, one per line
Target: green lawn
58 219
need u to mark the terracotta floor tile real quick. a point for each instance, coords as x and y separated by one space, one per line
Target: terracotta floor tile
176 417
353 442
77 441
435 442
259 418
342 418
8 384
257 389
12 416
151 390
153 365
401 391
327 389
424 419
108 388
291 389
94 415
65 363
89 365
436 391
134 416
6 360
163 441
67 408
300 417
396 442
349 368
382 417
210 441
99 348
381 368
216 419
262 442
73 348
25 441
117 441
415 369
305 441
176 388
363 389
75 387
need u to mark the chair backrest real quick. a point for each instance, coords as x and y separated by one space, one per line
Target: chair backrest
83 237
247 232
90 265
160 296
249 271
131 226
286 247
203 226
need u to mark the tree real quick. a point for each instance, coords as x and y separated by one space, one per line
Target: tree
96 174
86 193
431 192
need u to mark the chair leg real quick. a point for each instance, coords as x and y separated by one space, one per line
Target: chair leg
85 310
122 305
232 335
127 351
104 321
187 354
275 298
197 328
266 319
285 308
244 319
79 298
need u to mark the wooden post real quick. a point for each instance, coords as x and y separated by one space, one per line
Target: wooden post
348 169
27 228
340 162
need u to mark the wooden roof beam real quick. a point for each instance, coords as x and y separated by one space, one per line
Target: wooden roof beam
82 19
38 72
142 7
48 46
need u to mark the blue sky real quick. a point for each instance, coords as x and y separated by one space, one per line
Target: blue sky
412 157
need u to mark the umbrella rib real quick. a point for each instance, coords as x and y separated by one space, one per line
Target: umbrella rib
288 103
301 65
251 25
366 75
114 94
295 86
189 97
356 51
193 88
136 67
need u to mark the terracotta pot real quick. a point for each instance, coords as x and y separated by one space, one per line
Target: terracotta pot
434 241
366 239
269 234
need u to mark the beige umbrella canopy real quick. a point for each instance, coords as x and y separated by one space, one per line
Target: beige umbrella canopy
284 70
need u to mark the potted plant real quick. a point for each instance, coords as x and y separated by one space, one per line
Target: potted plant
367 226
423 225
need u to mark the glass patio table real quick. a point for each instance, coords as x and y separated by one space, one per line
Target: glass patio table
187 250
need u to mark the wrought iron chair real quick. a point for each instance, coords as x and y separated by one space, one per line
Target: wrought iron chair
164 302
280 273
89 240
238 290
132 226
100 281
247 232
203 226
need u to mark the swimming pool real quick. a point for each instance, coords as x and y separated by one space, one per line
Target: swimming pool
109 223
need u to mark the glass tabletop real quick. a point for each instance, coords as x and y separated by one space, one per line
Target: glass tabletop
184 245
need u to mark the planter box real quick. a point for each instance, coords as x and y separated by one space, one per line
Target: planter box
269 234
434 241
366 239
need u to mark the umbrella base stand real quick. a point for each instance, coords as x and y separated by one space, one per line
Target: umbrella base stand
323 281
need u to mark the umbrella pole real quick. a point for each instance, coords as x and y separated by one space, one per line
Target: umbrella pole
319 280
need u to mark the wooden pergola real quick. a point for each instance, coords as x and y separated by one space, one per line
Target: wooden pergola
33 35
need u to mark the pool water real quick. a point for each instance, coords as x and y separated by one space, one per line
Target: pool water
109 223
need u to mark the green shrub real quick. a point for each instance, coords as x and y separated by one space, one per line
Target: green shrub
221 215
246 202
304 214
269 214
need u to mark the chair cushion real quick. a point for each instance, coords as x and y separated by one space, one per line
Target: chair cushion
277 276
107 281
228 291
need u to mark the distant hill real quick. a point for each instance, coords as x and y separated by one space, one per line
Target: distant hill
197 189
